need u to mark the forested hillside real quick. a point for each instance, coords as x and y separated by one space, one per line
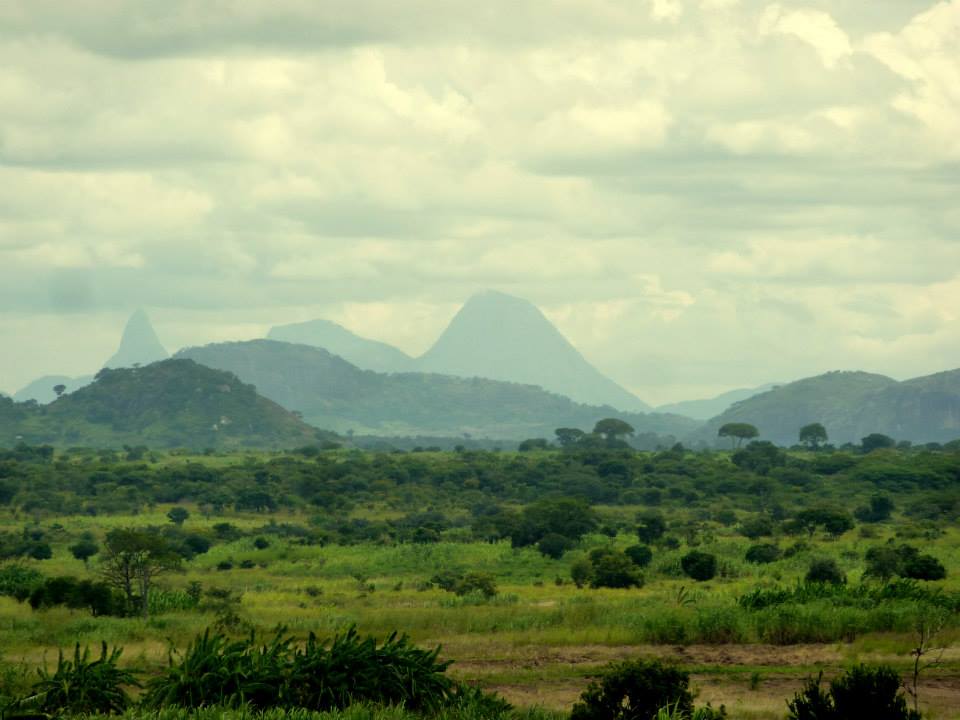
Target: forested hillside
173 403
332 393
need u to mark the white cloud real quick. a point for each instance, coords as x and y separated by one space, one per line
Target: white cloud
814 27
673 181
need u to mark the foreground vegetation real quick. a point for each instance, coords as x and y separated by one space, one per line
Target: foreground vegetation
532 570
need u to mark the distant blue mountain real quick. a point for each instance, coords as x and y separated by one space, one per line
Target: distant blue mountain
711 407
336 339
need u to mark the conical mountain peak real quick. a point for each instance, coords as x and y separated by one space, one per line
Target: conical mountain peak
502 337
139 344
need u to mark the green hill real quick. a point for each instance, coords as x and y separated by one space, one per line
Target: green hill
852 405
173 403
330 392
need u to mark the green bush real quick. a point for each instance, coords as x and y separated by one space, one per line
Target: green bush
635 690
699 565
862 693
825 571
554 545
641 555
614 570
18 581
762 553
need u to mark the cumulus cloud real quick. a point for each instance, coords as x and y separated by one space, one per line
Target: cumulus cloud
701 193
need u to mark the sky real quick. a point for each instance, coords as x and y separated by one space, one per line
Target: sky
701 194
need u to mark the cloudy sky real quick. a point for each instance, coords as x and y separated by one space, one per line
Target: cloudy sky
702 194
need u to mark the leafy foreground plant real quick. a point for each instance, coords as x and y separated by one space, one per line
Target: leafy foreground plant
352 669
82 686
862 693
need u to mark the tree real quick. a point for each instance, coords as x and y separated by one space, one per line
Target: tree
759 456
532 444
876 441
612 429
84 549
568 437
563 516
738 432
59 389
131 561
178 515
650 526
813 435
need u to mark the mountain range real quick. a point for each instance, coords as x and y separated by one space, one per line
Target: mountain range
329 392
494 336
852 405
171 403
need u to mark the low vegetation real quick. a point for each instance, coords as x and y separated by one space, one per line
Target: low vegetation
592 550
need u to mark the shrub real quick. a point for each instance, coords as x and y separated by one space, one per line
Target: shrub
635 690
615 570
699 565
762 554
581 572
261 543
19 582
82 686
650 526
641 555
476 582
756 527
825 571
554 545
870 693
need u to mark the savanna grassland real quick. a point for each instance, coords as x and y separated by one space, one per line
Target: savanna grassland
532 570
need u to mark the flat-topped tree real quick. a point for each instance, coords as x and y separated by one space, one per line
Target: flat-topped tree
813 435
738 432
613 429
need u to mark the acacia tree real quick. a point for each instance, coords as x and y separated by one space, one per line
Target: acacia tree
612 430
738 432
131 560
813 435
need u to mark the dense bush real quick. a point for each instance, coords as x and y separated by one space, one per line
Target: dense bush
19 581
699 565
641 555
762 553
554 545
825 571
613 569
862 693
635 690
97 597
886 561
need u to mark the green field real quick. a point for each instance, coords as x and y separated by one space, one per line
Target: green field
539 639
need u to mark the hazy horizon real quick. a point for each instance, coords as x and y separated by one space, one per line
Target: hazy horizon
702 195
